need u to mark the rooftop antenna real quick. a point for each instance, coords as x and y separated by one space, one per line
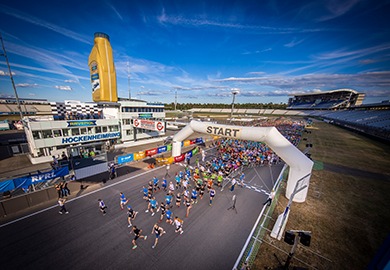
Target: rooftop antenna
12 78
128 77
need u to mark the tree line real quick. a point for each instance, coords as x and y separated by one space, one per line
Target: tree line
188 106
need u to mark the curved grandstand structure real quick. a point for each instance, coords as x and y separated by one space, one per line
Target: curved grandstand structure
334 99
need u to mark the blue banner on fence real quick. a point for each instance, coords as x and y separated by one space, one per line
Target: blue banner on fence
125 159
162 149
199 140
26 181
7 185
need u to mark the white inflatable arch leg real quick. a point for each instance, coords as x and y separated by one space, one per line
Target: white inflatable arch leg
300 165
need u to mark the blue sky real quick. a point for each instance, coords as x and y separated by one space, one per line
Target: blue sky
199 49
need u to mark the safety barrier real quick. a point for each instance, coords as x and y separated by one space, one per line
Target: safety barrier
252 244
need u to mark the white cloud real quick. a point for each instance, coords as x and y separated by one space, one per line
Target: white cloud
293 43
63 87
26 85
70 81
4 73
33 20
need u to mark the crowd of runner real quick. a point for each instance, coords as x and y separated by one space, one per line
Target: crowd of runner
191 184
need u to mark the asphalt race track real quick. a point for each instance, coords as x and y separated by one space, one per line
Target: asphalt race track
85 239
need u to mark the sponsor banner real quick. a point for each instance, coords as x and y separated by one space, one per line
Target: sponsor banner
7 185
140 155
199 140
145 115
186 143
193 141
195 151
171 160
179 158
151 152
126 158
149 124
93 137
169 147
81 123
189 154
26 181
162 149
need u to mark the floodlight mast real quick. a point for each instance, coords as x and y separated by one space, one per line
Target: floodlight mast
235 91
12 79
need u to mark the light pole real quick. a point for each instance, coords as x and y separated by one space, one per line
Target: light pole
235 91
12 79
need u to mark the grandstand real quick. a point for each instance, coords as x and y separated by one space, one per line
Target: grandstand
334 99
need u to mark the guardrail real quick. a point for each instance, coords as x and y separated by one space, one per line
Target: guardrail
252 244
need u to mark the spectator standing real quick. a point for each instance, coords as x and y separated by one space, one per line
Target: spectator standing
270 198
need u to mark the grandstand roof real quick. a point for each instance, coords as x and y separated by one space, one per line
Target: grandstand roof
327 92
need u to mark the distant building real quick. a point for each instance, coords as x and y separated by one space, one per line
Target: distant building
326 100
93 125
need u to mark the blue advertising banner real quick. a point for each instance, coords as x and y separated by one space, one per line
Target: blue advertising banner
7 185
162 149
125 159
199 140
81 123
26 181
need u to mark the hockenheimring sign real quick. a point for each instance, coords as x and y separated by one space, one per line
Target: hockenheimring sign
87 138
300 165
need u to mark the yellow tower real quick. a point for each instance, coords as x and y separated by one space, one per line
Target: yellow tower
102 69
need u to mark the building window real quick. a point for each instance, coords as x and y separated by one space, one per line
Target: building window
36 135
90 130
75 131
83 131
113 128
65 132
129 132
57 133
104 129
47 134
98 129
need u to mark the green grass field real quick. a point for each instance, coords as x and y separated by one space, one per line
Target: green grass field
347 207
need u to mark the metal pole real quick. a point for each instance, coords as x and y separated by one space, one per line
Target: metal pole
231 114
291 254
12 79
296 190
128 78
175 99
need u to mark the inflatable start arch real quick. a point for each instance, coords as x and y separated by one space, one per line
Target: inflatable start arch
300 165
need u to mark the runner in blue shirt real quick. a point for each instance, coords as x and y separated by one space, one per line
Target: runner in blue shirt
242 176
145 191
152 205
164 184
178 179
169 217
194 196
155 183
168 200
123 200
